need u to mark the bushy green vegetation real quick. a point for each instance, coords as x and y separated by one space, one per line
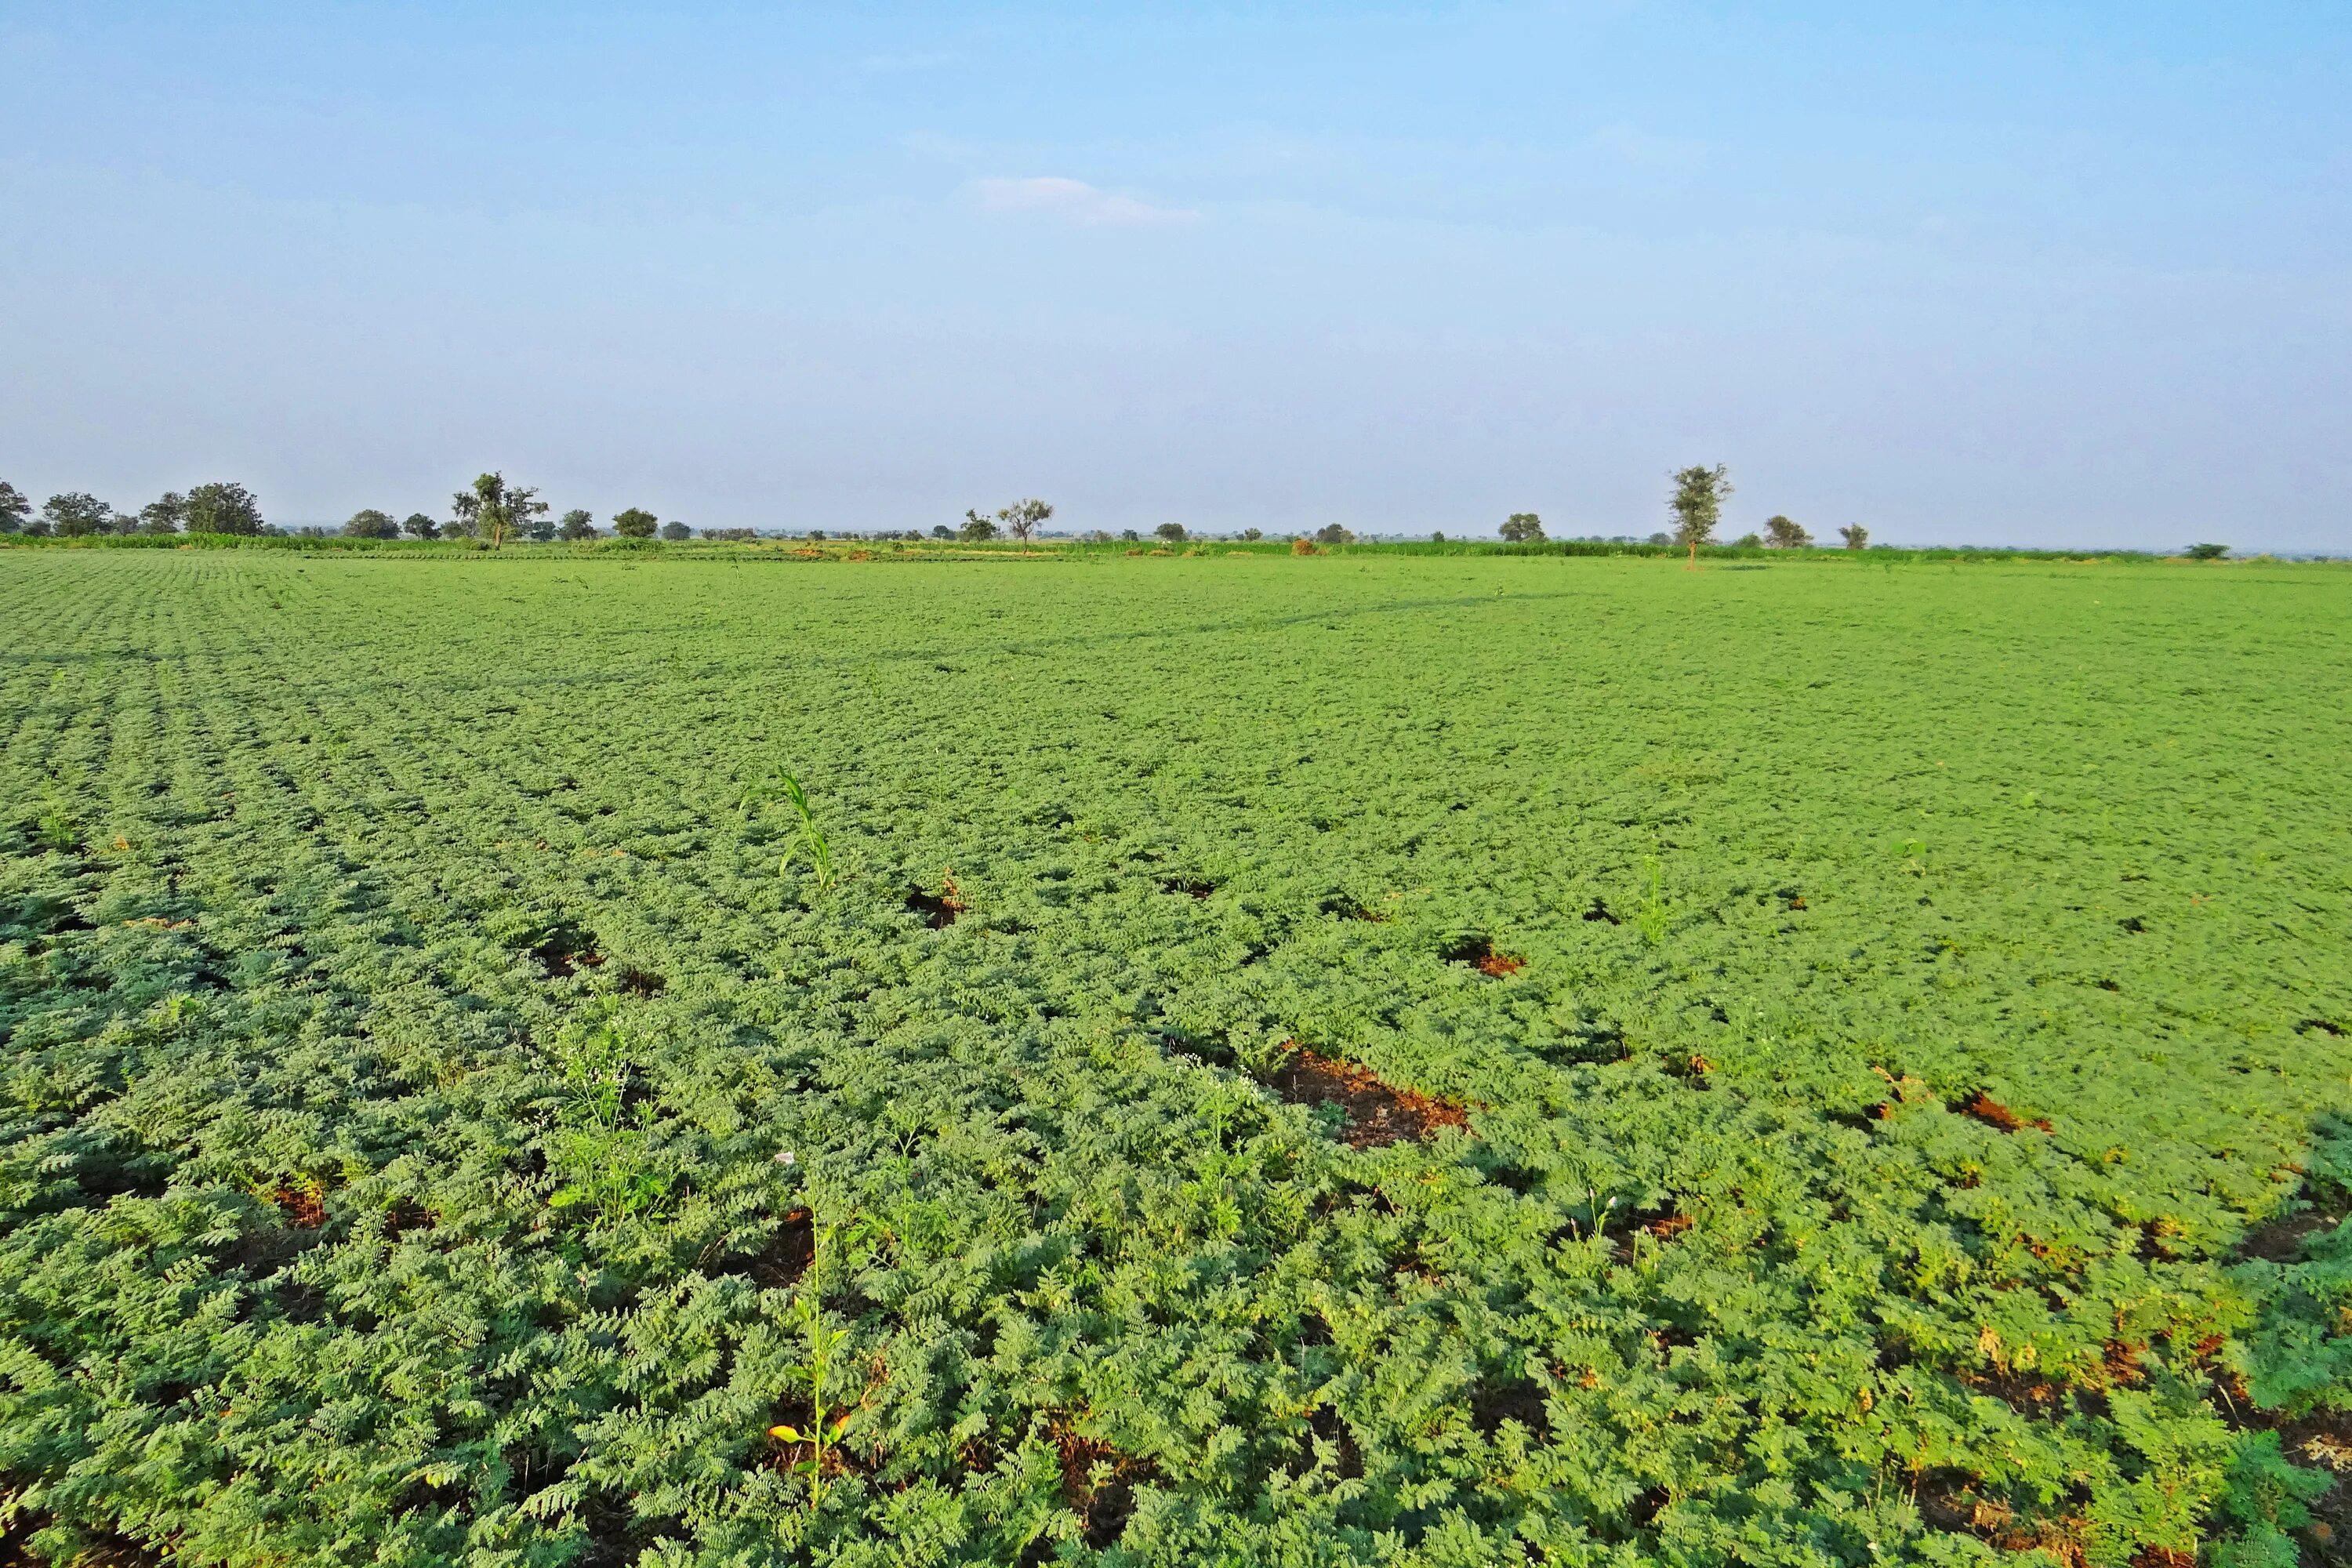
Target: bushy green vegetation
1362 1057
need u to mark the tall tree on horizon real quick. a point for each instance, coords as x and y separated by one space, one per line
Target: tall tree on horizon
1021 518
223 507
495 510
1696 503
167 513
76 513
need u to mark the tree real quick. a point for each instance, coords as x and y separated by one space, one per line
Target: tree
13 509
1174 533
634 523
2207 551
416 526
1783 533
976 527
1660 537
496 510
1698 503
1129 535
222 508
1251 535
77 513
1855 536
370 523
1523 528
539 527
1332 533
578 523
942 530
1021 518
1749 541
675 531
167 513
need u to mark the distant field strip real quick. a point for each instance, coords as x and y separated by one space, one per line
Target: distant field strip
1431 1061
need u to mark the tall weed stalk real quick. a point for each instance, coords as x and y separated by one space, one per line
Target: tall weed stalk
810 840
1651 919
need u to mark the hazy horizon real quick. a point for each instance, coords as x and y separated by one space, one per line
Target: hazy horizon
2016 277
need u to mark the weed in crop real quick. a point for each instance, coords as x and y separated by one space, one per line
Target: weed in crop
1652 916
603 1144
830 1239
811 840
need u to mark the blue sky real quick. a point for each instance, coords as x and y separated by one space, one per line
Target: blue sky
2048 273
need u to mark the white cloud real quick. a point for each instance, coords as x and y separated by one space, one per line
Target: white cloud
1074 201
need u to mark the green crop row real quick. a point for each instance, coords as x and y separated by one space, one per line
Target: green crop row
1418 1060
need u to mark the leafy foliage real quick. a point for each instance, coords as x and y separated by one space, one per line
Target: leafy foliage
1697 502
75 513
223 507
494 511
1299 1143
1022 518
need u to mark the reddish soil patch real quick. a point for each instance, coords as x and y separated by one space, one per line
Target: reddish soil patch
1103 1508
787 1255
1959 1507
1480 954
403 1217
304 1203
939 910
1377 1114
1661 1224
2281 1240
1348 909
1522 1401
2319 1439
567 950
100 1549
1993 1113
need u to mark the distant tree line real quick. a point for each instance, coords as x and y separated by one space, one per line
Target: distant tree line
218 508
491 510
494 512
1694 500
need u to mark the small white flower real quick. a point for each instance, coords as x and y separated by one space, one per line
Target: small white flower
786 1158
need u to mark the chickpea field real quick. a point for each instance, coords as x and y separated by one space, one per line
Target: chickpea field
1360 1058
